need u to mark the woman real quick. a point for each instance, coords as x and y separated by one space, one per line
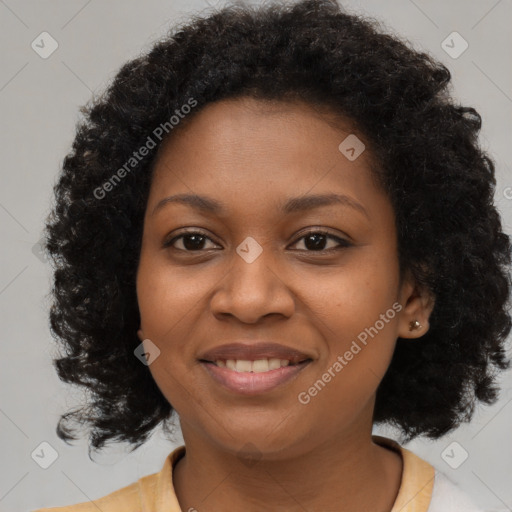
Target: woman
279 225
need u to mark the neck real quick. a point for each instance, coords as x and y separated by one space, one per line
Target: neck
351 473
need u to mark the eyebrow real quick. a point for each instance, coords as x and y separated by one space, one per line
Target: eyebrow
292 205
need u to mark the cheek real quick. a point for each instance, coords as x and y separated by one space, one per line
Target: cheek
164 304
357 311
353 298
360 332
166 295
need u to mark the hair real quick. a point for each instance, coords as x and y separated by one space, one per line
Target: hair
430 165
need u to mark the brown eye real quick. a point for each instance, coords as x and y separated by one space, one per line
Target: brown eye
191 241
315 241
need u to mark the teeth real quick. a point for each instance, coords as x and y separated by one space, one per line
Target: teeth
274 363
258 366
242 365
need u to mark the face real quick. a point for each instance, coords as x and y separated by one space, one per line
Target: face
271 263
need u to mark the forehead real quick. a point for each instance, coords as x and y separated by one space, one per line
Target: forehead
254 152
247 121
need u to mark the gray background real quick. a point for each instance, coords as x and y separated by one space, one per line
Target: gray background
39 101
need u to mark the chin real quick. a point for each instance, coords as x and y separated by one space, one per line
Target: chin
269 441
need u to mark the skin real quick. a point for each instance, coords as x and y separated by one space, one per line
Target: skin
253 156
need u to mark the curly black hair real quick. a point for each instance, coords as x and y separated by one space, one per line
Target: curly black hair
439 181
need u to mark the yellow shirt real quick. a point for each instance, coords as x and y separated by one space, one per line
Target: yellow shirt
155 493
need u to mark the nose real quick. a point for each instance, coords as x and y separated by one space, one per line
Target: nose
252 290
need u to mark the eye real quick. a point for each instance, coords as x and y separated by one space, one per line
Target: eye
315 241
191 241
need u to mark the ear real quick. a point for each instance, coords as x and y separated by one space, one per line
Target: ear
140 335
418 304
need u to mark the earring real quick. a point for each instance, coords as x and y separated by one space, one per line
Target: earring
414 325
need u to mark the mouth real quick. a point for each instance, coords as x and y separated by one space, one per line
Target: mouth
254 366
245 354
249 378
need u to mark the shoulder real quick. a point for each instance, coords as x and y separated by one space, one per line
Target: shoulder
424 488
149 493
127 499
448 497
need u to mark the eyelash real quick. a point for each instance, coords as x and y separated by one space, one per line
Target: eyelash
343 243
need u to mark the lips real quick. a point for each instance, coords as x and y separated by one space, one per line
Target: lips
253 352
253 384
